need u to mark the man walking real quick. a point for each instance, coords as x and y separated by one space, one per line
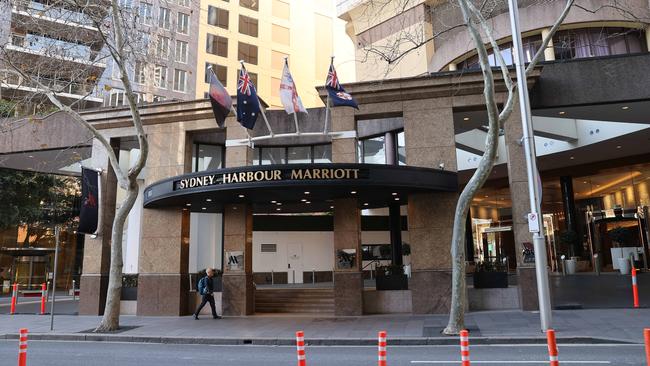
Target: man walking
206 289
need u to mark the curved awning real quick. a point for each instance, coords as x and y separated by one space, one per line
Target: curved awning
297 187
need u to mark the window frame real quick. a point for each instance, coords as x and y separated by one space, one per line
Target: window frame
247 21
210 45
145 19
361 146
219 10
174 86
166 23
183 27
161 82
286 153
249 59
185 54
195 157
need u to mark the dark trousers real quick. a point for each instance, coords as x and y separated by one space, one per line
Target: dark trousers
208 298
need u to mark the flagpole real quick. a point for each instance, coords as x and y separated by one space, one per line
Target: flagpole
295 120
327 113
268 125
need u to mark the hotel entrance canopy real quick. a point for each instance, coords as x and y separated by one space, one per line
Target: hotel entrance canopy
297 187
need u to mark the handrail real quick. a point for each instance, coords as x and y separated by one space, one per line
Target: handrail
371 262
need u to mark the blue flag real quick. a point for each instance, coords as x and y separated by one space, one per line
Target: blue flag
248 105
338 95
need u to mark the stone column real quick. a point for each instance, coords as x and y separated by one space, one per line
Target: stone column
549 51
238 290
344 150
518 180
97 251
430 142
348 279
163 281
238 294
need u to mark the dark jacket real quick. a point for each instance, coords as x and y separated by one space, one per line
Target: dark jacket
206 285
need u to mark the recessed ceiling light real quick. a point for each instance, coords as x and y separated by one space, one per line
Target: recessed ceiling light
572 157
274 201
466 119
308 202
625 107
486 196
278 209
561 113
303 200
396 198
353 192
279 203
208 200
241 196
203 208
618 147
188 204
394 193
307 192
365 204
331 206
585 182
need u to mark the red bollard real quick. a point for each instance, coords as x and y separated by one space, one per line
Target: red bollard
646 336
300 348
552 348
464 347
14 298
635 288
22 347
43 298
381 348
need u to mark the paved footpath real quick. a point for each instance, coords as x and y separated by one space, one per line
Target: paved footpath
572 326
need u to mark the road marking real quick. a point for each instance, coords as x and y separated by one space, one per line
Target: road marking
514 362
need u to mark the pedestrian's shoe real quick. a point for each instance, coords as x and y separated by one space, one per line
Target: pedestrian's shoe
196 317
216 317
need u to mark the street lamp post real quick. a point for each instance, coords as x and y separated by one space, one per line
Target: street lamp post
535 221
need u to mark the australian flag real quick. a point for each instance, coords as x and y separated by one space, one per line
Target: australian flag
337 94
248 106
220 99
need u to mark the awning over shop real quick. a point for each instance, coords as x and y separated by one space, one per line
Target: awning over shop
297 187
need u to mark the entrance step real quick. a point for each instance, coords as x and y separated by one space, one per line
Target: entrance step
298 300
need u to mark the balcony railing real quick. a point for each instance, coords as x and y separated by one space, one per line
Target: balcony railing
12 80
56 13
50 47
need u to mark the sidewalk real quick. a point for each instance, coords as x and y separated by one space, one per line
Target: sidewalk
572 326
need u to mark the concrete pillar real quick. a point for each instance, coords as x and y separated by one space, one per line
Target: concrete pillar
647 37
430 142
344 150
163 281
549 51
238 294
97 251
518 179
348 278
238 290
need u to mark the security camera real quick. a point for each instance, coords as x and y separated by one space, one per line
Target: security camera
441 166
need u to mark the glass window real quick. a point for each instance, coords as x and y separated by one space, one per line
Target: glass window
160 76
145 13
277 60
116 98
217 45
218 17
219 70
299 154
250 4
164 18
280 34
248 26
401 148
163 47
180 80
181 51
139 72
207 157
281 9
272 155
323 154
183 23
185 3
248 53
373 150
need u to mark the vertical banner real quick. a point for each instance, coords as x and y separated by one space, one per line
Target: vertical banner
90 213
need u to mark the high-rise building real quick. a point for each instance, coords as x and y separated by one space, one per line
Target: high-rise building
263 34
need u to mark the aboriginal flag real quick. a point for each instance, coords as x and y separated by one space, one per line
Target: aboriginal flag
89 222
220 99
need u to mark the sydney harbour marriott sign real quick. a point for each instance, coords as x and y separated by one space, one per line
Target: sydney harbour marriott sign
270 175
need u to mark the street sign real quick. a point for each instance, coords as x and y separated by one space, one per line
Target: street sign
533 223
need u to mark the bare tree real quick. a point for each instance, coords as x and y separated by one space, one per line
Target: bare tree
40 55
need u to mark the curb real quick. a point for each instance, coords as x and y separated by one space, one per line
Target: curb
432 341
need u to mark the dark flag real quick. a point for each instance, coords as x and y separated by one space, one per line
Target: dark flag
220 99
89 214
338 95
248 106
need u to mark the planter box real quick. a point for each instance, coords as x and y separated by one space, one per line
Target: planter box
392 282
490 279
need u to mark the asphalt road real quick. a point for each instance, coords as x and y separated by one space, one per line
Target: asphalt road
49 353
32 305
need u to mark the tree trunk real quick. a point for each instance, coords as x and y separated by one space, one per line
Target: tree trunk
111 319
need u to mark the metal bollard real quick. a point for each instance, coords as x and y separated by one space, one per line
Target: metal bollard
74 290
381 348
22 347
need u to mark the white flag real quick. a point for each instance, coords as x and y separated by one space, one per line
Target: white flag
288 93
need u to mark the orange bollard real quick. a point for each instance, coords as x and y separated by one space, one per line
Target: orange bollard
381 348
300 348
646 336
635 288
22 347
43 298
464 347
552 348
14 298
